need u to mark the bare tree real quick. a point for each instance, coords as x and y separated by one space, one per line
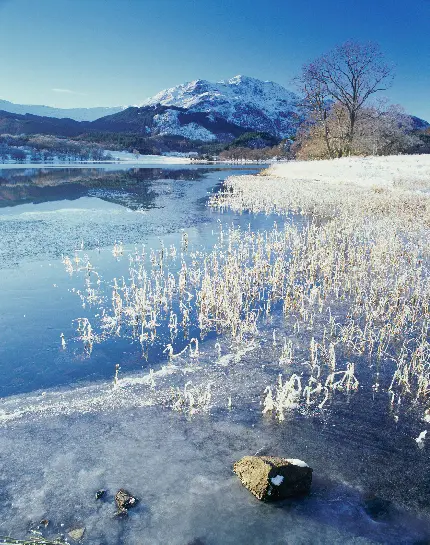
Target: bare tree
384 130
348 75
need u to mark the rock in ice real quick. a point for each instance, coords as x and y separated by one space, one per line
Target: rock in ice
271 478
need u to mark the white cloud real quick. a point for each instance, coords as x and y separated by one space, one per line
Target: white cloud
68 91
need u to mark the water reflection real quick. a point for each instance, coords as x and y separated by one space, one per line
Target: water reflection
43 185
45 213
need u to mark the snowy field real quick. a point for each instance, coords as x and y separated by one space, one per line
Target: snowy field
400 170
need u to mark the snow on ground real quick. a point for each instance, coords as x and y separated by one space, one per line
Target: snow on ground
409 171
118 157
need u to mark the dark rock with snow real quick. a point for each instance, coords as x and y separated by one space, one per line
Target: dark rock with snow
100 494
124 501
271 478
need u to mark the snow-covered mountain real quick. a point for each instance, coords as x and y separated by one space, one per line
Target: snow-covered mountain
199 110
243 101
79 114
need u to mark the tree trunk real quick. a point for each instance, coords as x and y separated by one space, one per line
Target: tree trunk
327 137
350 135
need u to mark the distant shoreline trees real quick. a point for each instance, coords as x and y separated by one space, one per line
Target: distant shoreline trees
44 148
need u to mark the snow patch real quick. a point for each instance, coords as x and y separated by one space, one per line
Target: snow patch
278 480
127 157
297 462
421 438
168 123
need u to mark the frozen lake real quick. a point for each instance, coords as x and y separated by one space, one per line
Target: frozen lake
47 213
66 433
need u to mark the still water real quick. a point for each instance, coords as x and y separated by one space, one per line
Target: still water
45 214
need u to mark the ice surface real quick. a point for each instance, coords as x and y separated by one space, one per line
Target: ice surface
40 223
180 470
101 206
57 449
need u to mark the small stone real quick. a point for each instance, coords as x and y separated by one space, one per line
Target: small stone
100 494
377 508
77 533
124 500
271 478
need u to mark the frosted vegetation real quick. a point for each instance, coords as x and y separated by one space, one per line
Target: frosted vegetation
304 335
364 254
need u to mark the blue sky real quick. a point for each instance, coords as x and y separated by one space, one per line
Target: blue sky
69 53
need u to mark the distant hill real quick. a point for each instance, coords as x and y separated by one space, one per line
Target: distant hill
78 114
143 121
419 124
11 123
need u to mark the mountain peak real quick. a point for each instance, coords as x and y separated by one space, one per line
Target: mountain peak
235 80
241 100
204 110
240 79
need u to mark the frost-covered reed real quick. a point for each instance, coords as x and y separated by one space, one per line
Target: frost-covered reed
364 248
351 272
